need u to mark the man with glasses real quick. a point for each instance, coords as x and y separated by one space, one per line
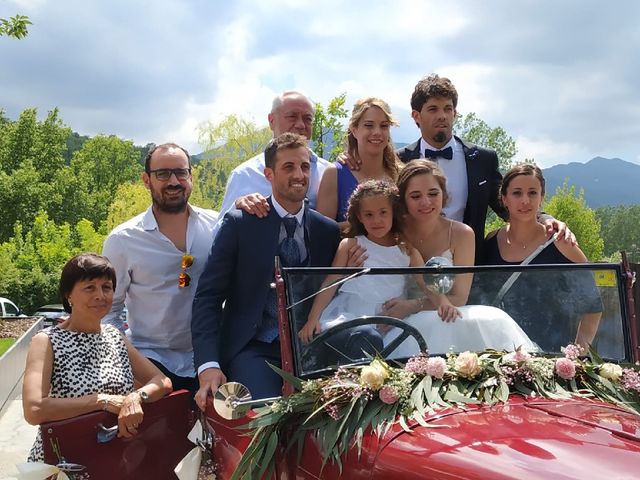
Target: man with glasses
159 256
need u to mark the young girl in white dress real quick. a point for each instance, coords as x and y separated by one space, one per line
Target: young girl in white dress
373 225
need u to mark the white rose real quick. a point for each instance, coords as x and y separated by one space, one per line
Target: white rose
468 365
373 376
611 371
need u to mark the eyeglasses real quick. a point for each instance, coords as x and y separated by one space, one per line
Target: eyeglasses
164 174
184 280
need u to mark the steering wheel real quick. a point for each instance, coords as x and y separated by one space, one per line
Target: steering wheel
407 331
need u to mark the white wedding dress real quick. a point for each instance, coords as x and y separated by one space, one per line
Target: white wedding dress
480 327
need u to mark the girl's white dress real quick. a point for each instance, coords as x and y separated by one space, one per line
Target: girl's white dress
365 295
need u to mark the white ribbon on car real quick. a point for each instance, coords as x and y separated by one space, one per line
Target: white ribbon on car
189 466
39 471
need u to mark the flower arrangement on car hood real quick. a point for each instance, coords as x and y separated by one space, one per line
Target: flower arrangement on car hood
338 410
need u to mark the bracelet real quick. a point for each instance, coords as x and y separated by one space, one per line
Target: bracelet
105 403
420 304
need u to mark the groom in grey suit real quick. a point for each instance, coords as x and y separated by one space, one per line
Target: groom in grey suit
234 326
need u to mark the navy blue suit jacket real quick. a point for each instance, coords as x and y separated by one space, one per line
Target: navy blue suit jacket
483 183
239 272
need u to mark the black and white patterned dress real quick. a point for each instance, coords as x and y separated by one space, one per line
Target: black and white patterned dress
86 363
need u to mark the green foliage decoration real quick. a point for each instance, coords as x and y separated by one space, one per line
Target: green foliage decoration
336 411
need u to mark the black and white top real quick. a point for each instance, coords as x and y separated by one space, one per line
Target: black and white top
83 364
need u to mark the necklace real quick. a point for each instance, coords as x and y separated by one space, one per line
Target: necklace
509 242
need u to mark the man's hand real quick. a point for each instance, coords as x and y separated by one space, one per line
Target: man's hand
356 256
345 159
552 226
254 204
210 379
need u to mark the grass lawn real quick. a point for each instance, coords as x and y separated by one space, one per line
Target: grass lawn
5 343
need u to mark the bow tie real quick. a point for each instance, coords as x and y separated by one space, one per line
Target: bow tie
445 153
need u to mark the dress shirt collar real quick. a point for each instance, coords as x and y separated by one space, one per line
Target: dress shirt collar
282 212
149 221
312 156
425 145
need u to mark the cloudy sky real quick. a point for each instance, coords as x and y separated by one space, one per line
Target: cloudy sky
559 76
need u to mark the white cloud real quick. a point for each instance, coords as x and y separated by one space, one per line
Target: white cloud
564 85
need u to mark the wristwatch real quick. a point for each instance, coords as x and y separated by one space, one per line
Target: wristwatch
144 396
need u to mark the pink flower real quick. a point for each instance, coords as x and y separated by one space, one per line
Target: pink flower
388 395
468 365
565 368
417 364
520 355
436 367
631 379
572 351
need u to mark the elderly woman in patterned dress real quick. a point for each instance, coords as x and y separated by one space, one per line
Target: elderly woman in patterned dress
82 366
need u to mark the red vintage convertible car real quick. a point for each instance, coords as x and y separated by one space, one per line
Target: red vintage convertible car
503 392
468 410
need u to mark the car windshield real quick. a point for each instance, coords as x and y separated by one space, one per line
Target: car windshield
396 313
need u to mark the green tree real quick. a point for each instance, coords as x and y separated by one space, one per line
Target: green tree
328 131
36 258
621 230
573 210
21 137
226 145
234 138
15 27
130 200
475 130
98 169
22 196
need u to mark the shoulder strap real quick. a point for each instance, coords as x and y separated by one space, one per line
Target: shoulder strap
515 275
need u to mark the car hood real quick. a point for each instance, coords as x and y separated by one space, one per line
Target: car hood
520 439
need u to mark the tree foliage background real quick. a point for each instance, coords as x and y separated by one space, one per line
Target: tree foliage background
61 193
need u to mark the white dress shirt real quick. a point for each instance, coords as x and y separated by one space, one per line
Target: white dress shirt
456 172
147 267
248 177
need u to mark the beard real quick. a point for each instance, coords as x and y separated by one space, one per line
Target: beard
169 205
440 137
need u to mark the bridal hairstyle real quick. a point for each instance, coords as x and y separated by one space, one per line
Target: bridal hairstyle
390 160
420 167
368 189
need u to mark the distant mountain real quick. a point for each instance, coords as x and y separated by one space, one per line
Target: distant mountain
606 181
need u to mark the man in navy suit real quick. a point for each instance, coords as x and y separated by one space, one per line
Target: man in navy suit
234 325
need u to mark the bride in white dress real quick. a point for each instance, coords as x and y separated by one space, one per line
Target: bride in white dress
444 320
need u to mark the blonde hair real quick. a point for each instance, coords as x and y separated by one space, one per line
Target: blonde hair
390 160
